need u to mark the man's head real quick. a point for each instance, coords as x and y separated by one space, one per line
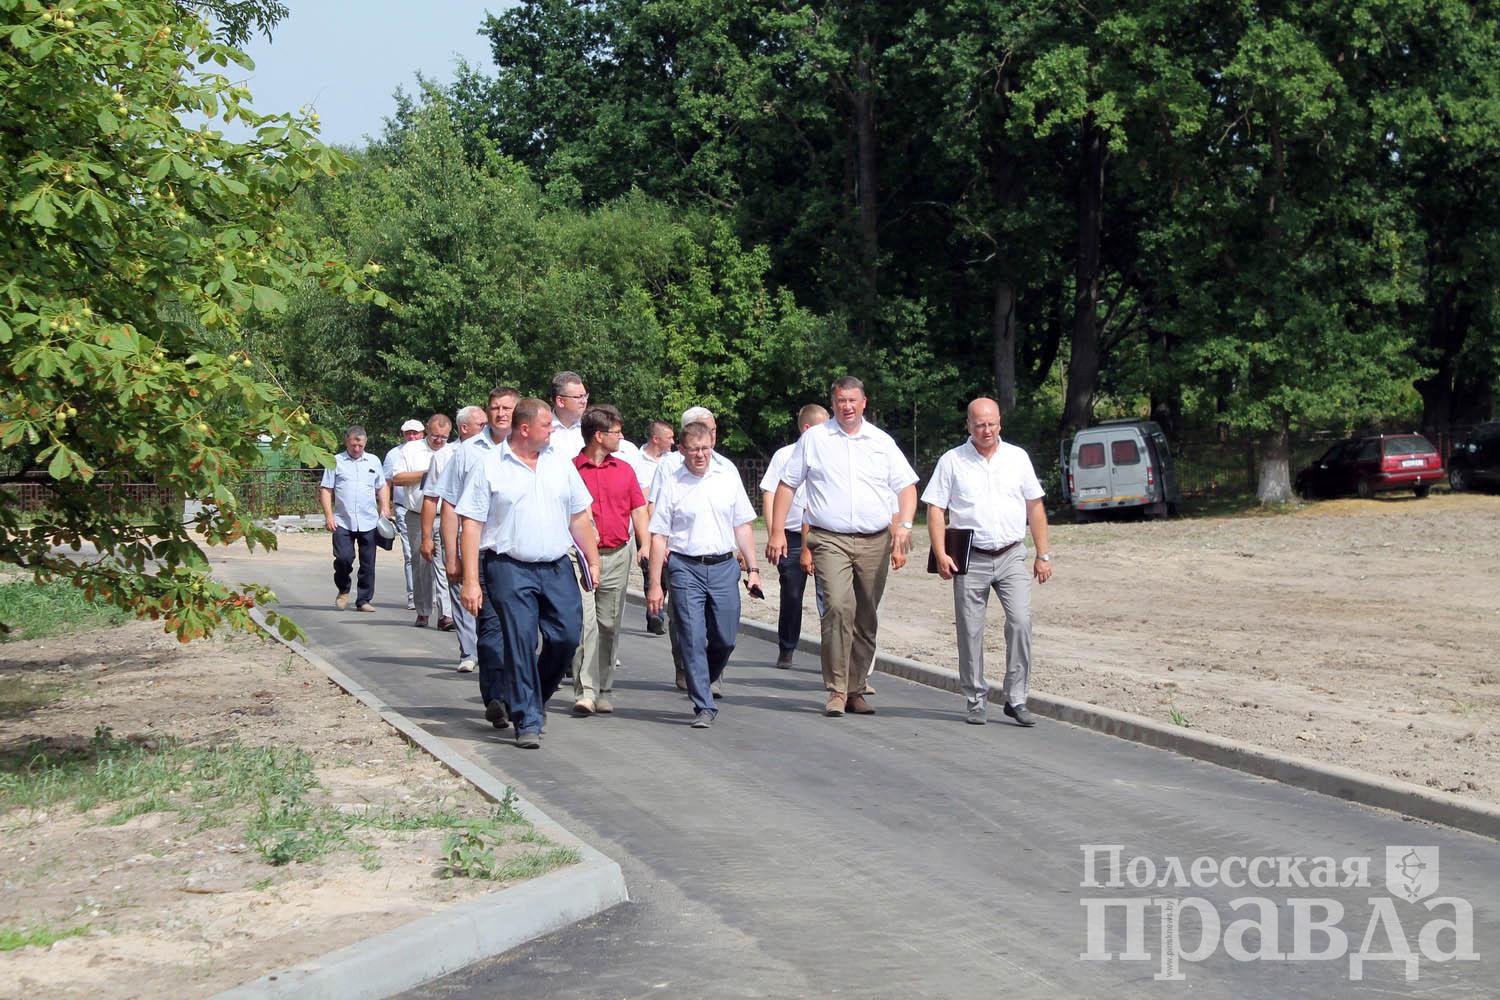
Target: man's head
984 423
470 421
660 436
531 427
438 429
601 426
849 402
501 407
701 415
569 397
697 447
354 440
411 430
810 416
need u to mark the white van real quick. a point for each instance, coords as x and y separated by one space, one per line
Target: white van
1120 465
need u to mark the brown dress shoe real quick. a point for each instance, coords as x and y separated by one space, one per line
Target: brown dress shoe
445 624
835 706
859 706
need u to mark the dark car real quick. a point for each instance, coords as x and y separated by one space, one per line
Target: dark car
1376 463
1476 459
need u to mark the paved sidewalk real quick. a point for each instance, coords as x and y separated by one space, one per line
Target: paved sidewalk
782 854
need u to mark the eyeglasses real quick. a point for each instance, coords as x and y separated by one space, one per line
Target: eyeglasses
438 437
568 395
697 451
616 430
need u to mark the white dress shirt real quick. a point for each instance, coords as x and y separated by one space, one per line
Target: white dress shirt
566 441
772 479
698 514
398 493
466 461
987 495
852 479
354 482
672 461
645 469
413 456
525 511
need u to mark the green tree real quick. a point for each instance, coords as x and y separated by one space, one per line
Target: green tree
138 251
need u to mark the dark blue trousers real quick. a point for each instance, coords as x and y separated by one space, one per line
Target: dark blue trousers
345 543
705 619
793 586
531 598
489 649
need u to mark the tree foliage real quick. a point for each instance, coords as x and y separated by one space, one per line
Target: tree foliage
138 249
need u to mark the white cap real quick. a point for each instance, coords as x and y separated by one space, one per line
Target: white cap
413 425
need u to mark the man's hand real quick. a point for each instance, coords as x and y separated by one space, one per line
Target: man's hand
594 572
471 597
1042 570
898 558
328 522
428 550
900 541
776 547
947 568
805 560
654 600
453 568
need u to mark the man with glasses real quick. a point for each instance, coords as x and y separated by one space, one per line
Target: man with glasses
619 505
989 489
407 472
569 401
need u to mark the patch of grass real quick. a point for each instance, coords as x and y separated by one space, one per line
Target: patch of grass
535 863
11 939
33 611
20 694
1178 719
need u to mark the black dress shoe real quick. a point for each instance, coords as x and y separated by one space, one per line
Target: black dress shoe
1019 713
656 626
496 713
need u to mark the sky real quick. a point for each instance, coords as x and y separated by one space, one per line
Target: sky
346 59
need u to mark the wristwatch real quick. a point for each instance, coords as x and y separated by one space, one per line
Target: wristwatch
1044 557
904 524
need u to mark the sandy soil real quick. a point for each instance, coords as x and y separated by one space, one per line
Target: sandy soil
1357 632
172 910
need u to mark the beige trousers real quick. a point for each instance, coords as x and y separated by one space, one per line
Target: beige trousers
853 569
603 610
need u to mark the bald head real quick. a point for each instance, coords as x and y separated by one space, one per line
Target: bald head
984 424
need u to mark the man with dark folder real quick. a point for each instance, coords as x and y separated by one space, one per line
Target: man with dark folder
982 498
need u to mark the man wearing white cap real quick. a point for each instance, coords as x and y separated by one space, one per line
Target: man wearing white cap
411 430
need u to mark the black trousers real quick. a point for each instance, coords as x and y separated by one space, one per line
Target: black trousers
345 543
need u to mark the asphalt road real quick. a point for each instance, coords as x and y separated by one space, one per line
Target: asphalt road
907 854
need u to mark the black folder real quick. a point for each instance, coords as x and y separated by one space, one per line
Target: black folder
958 542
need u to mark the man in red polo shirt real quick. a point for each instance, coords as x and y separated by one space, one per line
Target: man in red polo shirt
618 502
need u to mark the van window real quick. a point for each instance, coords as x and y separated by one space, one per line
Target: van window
1091 456
1124 452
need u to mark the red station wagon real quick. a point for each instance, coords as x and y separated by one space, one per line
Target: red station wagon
1374 464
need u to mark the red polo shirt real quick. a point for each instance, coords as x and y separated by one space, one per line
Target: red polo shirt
616 493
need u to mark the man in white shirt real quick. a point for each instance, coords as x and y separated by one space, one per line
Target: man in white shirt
407 471
701 518
789 567
990 488
521 519
855 476
411 430
570 398
354 495
659 441
468 422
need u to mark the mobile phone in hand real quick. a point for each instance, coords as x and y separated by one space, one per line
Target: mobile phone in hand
755 590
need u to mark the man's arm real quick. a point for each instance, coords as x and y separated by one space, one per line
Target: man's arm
906 512
325 500
407 478
429 516
581 526
448 528
937 525
1036 518
640 521
655 596
776 527
383 498
470 595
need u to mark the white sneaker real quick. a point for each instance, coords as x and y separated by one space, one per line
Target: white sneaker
411 603
466 665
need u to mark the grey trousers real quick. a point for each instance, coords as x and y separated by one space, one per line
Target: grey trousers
1006 575
398 514
463 622
420 572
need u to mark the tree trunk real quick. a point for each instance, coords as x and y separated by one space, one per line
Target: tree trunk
1083 361
1446 331
1273 480
1003 327
862 105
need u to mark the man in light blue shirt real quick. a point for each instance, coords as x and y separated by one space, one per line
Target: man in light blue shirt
521 519
354 494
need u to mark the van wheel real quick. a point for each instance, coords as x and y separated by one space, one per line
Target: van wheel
1422 490
1459 479
1366 491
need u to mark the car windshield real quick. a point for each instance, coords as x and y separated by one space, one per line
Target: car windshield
1413 445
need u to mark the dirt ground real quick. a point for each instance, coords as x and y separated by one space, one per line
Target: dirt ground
175 910
1362 633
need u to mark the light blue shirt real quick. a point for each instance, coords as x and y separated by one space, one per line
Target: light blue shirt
354 482
467 461
525 511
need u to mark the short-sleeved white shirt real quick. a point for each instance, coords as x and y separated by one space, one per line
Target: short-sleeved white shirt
566 441
525 511
645 469
467 461
398 493
672 461
852 479
987 495
354 482
698 514
413 456
772 479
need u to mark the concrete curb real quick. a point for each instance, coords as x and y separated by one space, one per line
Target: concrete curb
461 935
1301 772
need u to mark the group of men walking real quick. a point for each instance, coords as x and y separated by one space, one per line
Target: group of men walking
523 535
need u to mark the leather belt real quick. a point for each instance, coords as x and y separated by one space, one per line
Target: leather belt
705 560
996 552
